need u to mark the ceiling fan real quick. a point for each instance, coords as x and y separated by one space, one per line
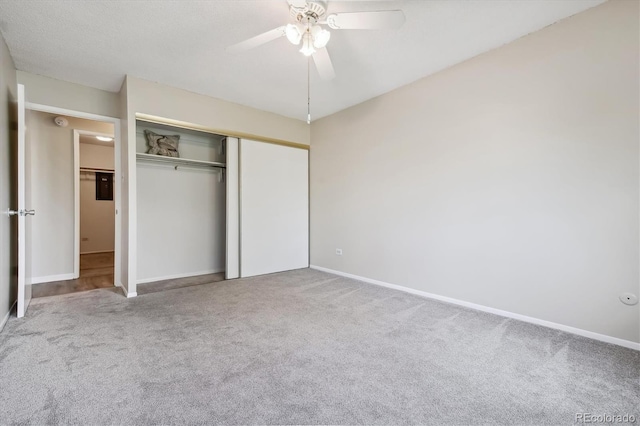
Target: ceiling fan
307 29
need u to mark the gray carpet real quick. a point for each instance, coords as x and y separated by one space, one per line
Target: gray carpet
301 347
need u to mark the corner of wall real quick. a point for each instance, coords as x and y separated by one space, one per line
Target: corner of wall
123 279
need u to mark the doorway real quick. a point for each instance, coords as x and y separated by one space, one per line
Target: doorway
72 189
94 206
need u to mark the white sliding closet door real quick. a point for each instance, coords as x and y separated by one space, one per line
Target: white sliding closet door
232 269
274 208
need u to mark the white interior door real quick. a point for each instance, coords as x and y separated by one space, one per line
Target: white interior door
274 208
22 212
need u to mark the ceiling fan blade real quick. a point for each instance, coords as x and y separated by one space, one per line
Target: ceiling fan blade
323 64
258 40
386 19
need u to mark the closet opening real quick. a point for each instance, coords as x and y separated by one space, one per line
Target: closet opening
181 193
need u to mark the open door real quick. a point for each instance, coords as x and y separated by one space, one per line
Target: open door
24 279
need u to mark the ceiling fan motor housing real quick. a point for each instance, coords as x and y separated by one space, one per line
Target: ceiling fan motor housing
311 12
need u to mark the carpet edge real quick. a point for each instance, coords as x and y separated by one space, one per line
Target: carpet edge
532 320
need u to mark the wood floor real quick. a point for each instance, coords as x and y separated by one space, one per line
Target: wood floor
96 271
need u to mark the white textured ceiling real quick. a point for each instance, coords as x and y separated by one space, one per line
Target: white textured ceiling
182 43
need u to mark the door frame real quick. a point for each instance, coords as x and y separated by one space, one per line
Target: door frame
76 194
117 146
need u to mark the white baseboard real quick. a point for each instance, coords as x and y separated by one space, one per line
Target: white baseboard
176 276
6 317
126 292
580 332
51 278
96 252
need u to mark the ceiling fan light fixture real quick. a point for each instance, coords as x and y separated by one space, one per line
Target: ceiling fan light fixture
320 37
293 34
307 45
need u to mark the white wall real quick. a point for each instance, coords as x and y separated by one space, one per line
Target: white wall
509 181
97 217
8 261
181 222
51 189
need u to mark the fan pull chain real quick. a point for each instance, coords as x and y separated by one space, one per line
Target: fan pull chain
308 90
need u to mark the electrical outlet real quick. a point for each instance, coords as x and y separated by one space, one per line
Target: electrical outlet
629 298
339 252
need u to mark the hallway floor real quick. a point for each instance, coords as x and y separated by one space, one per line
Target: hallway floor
96 271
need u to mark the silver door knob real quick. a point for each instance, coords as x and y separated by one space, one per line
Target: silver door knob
28 212
13 212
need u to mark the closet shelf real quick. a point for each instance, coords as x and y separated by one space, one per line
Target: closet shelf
178 161
95 170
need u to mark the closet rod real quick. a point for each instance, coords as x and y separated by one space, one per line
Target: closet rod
179 161
86 169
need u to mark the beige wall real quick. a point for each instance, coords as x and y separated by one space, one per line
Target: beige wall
51 92
177 104
96 155
8 95
509 181
97 217
51 188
